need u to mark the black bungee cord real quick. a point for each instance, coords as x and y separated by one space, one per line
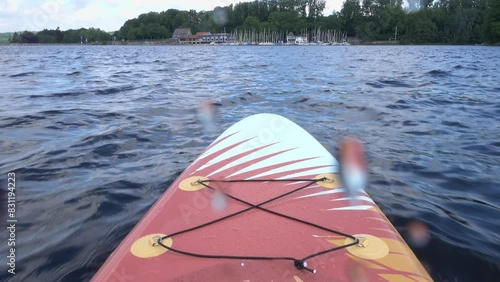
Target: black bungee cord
300 264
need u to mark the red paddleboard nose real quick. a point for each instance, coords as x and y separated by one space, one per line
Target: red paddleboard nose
353 168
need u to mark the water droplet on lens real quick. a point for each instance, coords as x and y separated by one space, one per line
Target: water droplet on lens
418 234
218 201
220 16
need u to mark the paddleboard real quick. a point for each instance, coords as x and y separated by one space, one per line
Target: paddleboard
263 203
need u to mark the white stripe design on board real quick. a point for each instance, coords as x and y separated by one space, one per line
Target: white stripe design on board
321 170
352 208
357 198
220 146
247 157
327 192
300 164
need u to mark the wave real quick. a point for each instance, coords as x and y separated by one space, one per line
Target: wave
438 73
23 74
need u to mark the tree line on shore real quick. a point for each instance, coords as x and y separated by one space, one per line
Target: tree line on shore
416 22
58 36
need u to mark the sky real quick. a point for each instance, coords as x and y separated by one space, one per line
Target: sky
109 15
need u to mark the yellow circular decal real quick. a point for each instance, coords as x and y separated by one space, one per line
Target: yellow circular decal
332 180
369 247
145 247
192 183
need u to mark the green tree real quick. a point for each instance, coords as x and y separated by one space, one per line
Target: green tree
28 37
425 21
284 21
331 22
421 28
492 22
131 34
149 18
368 7
72 36
50 36
316 8
252 22
351 16
15 38
142 32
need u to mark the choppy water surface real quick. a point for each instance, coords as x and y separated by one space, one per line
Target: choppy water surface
96 134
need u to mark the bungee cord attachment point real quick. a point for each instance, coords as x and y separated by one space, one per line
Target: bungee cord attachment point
299 264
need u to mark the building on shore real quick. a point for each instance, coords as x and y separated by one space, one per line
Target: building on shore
184 36
181 34
217 38
264 37
296 40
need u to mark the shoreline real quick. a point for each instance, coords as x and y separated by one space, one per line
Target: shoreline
277 45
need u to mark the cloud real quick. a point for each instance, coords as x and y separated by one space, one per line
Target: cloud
87 16
37 15
9 6
4 23
8 10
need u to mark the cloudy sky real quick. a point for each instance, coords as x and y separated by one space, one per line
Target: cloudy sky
109 15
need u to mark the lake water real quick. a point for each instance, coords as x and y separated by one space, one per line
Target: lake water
96 134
